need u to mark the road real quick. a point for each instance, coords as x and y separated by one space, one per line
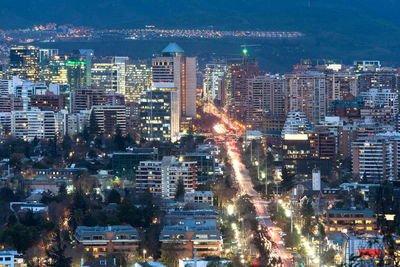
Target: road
245 184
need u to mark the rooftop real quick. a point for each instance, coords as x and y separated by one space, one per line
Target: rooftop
172 48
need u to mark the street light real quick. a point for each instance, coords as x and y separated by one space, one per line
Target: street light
144 254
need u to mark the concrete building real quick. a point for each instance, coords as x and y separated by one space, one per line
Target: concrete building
162 177
191 234
199 197
306 92
108 119
340 84
34 123
11 258
376 157
84 99
103 241
266 102
172 66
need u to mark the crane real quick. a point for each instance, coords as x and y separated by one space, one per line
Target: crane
244 48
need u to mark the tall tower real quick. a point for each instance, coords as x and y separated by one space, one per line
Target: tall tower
172 66
24 61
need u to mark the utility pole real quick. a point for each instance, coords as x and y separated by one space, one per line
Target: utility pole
258 164
266 177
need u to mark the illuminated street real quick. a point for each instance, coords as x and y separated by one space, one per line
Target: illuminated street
245 185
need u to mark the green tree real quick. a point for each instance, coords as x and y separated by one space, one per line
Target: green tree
56 253
113 197
17 236
180 191
287 180
170 255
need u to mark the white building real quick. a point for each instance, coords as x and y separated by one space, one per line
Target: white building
376 157
77 122
161 177
212 75
11 258
33 123
199 197
296 123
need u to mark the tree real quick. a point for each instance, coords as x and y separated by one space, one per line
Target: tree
56 253
114 197
170 255
17 236
180 191
287 180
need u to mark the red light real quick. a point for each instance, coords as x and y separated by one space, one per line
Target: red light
255 262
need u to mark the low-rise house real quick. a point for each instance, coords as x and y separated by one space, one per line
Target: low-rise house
11 258
103 241
191 234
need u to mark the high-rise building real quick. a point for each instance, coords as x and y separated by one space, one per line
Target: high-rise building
380 79
340 84
48 101
306 92
266 102
24 62
376 157
138 80
160 113
45 54
108 120
213 73
239 94
84 99
172 66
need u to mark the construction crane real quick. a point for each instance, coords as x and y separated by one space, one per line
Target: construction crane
245 51
244 48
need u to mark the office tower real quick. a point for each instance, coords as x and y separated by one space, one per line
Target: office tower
172 66
5 124
266 106
84 99
161 178
24 62
102 76
376 157
28 124
108 120
340 84
138 80
213 73
306 92
56 70
45 54
120 77
160 113
110 75
79 69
